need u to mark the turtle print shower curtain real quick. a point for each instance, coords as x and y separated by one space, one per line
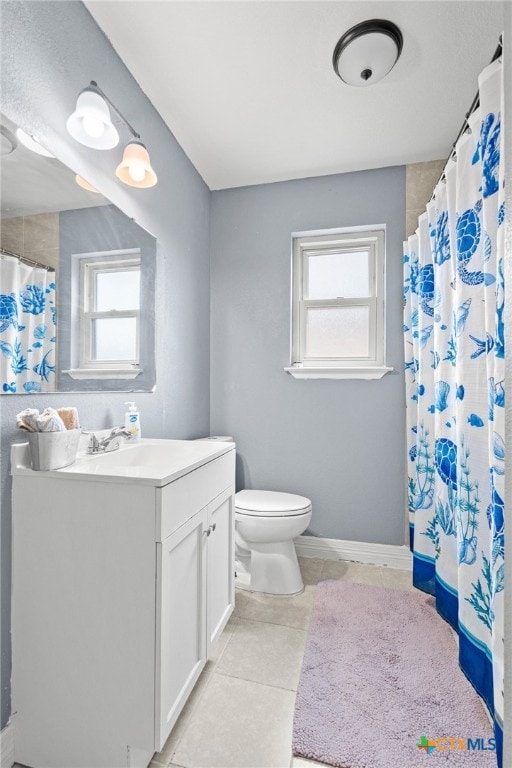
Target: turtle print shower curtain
27 327
455 392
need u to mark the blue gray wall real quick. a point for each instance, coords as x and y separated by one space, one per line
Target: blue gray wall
340 443
49 52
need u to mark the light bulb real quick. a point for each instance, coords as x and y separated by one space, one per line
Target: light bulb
136 171
93 126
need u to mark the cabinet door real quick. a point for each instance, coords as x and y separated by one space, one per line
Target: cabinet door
180 620
220 566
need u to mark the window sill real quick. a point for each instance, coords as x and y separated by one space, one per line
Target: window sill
355 372
103 373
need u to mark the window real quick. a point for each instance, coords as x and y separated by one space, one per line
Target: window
110 312
338 305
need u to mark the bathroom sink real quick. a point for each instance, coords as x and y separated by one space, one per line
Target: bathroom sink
149 461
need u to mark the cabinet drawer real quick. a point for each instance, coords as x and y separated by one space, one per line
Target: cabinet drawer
178 501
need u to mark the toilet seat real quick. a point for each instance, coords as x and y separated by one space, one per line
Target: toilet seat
271 504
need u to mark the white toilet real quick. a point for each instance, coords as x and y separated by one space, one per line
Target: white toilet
266 522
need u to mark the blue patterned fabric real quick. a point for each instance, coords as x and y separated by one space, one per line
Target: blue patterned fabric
27 328
455 384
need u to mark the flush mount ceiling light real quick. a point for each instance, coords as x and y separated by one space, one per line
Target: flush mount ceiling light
367 52
135 168
30 142
90 124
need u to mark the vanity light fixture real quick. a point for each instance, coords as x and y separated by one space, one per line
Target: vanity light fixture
85 184
135 167
30 142
91 125
367 52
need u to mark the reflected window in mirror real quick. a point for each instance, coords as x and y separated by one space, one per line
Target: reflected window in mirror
109 328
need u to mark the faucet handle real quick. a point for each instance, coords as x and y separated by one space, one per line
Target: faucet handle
121 432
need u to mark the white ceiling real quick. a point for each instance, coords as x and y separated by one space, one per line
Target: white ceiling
249 91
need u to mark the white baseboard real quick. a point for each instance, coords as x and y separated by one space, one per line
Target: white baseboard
392 555
7 746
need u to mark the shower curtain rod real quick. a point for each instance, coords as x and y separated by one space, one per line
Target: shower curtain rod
31 262
474 105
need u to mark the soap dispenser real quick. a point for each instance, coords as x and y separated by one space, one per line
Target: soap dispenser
132 420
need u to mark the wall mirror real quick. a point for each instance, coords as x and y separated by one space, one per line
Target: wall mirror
77 281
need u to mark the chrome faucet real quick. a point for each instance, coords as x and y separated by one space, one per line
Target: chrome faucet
110 443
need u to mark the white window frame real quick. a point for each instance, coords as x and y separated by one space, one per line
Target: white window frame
89 268
304 246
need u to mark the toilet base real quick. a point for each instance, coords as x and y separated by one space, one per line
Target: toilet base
273 570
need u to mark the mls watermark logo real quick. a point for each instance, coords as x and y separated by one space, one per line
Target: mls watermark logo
456 744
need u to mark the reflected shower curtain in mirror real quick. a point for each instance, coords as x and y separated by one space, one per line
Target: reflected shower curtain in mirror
27 327
454 353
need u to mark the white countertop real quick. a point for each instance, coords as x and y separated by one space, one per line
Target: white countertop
149 461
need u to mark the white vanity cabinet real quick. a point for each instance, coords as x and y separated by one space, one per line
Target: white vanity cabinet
195 585
122 583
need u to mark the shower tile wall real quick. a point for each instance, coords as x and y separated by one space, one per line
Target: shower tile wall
420 179
34 237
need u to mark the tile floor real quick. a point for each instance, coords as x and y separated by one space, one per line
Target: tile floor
240 713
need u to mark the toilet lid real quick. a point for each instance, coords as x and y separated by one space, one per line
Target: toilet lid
271 503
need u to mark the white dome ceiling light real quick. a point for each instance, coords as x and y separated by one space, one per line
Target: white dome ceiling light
367 52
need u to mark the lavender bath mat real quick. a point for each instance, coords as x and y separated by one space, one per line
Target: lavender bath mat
380 672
